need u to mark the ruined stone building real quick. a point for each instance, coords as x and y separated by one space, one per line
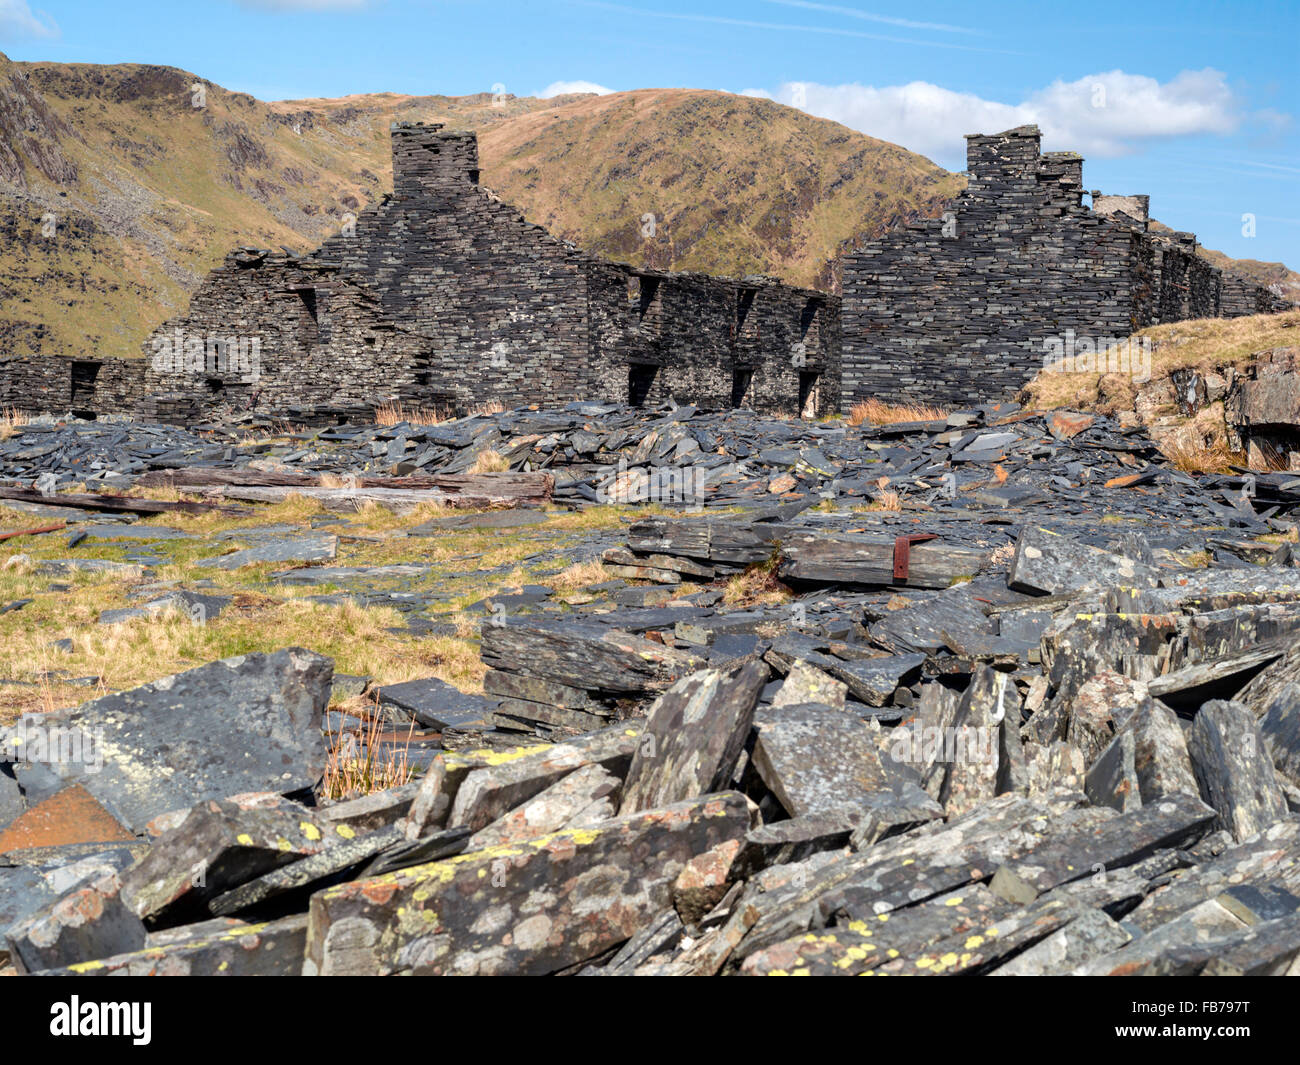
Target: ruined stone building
970 304
442 296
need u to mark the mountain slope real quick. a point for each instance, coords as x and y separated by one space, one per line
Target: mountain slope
117 192
736 184
148 191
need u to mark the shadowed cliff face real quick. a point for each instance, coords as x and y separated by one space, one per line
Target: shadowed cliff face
30 133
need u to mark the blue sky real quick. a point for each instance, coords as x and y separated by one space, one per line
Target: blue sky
1196 103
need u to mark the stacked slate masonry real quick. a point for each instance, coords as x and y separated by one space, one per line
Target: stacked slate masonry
441 296
973 304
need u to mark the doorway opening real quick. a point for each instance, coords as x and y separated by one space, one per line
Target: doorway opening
808 394
640 380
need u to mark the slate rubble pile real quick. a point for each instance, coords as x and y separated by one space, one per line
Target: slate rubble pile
987 457
1042 718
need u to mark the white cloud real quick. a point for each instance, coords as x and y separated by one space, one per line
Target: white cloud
1105 114
560 88
18 20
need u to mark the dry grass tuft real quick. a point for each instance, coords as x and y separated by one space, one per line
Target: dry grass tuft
578 576
490 462
394 412
757 586
1190 456
888 499
878 412
366 761
11 420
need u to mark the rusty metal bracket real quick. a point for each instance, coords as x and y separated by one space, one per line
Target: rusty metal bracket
903 552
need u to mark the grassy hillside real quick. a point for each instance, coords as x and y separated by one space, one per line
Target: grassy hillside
1211 347
737 185
146 191
149 191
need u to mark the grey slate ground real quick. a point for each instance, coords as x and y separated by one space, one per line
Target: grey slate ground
1057 736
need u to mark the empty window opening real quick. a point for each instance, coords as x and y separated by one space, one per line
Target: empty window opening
741 378
640 379
809 320
744 301
84 375
643 291
216 356
311 304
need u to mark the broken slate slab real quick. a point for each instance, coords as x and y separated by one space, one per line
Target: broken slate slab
989 706
89 922
210 948
251 723
1047 563
134 532
1090 935
805 683
587 656
490 519
874 680
302 549
434 703
1088 850
858 947
1270 858
32 880
198 608
492 790
216 848
587 795
528 909
1234 770
320 575
67 567
349 852
69 815
1222 678
693 737
815 759
1280 726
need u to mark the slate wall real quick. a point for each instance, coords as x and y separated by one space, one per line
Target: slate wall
499 306
273 332
970 306
35 384
714 342
442 296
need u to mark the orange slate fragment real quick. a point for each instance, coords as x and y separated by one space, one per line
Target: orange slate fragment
1066 426
72 815
1124 482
